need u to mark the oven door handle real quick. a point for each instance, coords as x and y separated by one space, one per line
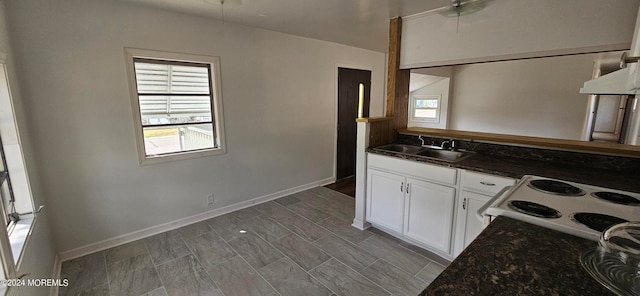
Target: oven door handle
482 211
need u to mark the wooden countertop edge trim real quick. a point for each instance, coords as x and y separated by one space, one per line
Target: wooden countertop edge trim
373 119
573 145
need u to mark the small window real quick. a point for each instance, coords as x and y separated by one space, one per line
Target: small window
16 202
177 105
425 108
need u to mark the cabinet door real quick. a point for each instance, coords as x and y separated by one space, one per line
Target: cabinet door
429 214
385 200
468 224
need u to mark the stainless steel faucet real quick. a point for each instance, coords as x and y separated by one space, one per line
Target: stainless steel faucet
446 144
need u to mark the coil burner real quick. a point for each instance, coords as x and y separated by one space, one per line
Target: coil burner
619 198
556 187
534 209
598 222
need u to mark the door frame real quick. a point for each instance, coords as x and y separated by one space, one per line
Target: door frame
335 109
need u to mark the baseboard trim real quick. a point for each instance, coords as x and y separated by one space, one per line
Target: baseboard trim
359 224
326 181
57 267
153 230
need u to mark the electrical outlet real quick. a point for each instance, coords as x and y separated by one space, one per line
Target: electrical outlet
210 199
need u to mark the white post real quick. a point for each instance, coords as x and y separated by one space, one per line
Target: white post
362 143
633 131
633 134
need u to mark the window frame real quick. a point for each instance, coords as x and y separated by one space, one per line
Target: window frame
213 62
16 235
412 107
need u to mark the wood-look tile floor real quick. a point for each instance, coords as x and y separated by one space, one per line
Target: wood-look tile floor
301 244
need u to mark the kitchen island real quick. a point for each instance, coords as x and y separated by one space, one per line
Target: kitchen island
511 257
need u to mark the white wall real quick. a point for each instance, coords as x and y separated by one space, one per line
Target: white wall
39 253
279 108
508 29
535 97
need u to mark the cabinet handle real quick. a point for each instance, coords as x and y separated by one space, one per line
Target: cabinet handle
407 187
487 183
464 203
402 187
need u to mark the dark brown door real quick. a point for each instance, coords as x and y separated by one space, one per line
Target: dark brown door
349 81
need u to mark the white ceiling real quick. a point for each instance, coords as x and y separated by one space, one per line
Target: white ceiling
359 23
418 81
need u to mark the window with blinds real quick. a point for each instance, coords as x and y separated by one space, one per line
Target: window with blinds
425 108
177 104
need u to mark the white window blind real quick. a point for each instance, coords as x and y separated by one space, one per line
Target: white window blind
173 93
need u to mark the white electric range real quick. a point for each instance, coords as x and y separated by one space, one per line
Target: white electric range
577 209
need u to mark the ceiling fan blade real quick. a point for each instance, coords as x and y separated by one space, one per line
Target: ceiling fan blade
464 8
435 10
226 3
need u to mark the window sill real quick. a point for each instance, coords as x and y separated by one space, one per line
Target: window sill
18 235
147 160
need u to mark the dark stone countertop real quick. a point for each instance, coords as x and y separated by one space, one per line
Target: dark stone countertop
511 257
517 167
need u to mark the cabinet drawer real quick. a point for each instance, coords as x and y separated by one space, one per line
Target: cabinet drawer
414 169
483 183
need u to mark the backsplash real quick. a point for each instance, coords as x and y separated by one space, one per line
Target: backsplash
586 160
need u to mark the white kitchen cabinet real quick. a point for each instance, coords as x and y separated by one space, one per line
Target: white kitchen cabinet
412 200
476 189
385 200
469 226
429 214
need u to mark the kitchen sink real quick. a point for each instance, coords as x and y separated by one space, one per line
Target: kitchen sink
445 155
426 152
401 148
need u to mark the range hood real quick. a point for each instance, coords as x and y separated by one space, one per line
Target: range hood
614 83
625 81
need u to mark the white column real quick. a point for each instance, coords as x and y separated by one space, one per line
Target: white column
362 143
633 133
